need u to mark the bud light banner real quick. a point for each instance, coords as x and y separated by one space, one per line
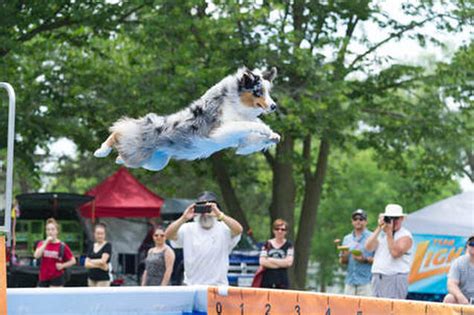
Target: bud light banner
432 260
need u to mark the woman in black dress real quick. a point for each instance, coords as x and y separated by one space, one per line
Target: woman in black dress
98 258
276 257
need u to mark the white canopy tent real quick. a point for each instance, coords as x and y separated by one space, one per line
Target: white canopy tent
452 216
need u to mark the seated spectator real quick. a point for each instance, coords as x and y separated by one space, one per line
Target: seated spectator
461 277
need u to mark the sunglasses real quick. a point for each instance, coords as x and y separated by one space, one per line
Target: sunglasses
279 229
158 235
358 219
471 243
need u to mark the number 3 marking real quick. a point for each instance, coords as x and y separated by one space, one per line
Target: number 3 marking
298 310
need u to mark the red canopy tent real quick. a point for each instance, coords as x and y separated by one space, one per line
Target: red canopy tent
121 195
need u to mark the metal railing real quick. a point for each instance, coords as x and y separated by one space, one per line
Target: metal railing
9 174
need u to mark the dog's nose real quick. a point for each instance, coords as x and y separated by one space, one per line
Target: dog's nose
273 107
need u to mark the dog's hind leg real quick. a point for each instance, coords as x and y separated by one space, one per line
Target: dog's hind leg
106 147
119 160
157 161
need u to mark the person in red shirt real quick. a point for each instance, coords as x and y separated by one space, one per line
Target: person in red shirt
52 264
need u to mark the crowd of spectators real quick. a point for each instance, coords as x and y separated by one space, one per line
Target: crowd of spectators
378 262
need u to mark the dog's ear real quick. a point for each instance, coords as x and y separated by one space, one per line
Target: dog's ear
270 75
247 79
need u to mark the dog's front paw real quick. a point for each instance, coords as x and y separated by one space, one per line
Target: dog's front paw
274 138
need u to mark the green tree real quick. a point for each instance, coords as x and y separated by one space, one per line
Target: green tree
81 77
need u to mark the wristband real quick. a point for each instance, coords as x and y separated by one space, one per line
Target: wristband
221 217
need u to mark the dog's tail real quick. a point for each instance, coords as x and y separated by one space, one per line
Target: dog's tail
136 138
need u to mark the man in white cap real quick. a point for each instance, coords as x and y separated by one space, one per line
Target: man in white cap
206 242
461 277
392 244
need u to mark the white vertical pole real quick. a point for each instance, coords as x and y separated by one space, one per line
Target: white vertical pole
9 180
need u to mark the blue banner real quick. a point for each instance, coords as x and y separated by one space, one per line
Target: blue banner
432 260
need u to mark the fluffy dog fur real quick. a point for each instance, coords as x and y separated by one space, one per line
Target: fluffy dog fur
226 116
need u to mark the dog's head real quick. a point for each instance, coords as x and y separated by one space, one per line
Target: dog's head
254 90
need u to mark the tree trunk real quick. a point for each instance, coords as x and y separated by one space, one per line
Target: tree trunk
284 187
24 185
228 193
312 196
469 167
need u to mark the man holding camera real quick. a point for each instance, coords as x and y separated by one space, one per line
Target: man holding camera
206 242
358 259
392 244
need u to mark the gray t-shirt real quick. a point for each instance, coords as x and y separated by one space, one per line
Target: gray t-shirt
462 271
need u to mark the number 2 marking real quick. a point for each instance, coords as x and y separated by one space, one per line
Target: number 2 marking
268 307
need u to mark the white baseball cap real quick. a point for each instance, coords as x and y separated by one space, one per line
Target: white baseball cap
394 210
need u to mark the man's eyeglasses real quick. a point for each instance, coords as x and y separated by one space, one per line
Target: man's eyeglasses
279 229
358 219
158 235
471 243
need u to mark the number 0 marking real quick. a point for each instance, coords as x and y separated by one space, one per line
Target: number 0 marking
219 308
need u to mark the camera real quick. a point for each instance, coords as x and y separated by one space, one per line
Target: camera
202 207
387 220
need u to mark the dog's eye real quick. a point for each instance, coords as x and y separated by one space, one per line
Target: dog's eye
258 93
257 90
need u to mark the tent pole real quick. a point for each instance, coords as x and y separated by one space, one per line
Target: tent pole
93 211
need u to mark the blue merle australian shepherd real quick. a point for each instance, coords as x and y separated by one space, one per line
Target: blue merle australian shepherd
226 116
